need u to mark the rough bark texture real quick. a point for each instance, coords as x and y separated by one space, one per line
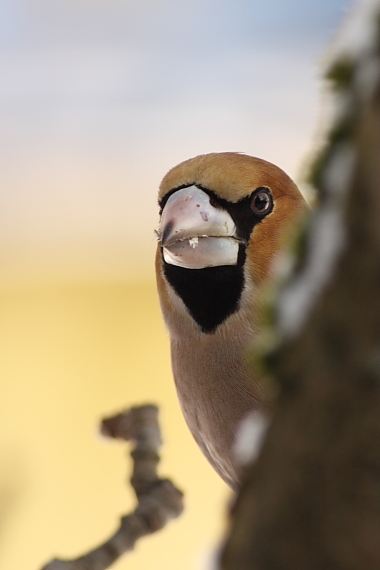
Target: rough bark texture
312 501
159 500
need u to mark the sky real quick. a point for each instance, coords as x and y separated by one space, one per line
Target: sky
99 99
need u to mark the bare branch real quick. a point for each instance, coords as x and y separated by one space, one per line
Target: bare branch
159 500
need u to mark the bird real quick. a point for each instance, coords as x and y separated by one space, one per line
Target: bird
223 217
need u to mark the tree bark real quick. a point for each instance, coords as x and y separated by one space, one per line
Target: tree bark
312 500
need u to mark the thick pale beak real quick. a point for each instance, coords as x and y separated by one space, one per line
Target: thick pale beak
194 234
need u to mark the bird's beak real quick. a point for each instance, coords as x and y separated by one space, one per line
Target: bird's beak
195 234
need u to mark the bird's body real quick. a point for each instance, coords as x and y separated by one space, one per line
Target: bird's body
223 218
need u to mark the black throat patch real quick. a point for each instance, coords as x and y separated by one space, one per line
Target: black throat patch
211 294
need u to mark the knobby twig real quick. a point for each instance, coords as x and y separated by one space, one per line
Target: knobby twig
159 500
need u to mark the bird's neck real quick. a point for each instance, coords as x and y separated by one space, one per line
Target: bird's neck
215 385
215 365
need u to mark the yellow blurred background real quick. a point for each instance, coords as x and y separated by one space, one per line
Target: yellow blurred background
71 354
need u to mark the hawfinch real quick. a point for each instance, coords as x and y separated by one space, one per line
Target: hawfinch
222 220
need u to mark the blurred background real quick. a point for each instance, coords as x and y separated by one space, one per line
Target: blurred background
98 99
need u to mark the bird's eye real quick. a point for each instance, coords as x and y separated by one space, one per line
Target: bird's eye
262 201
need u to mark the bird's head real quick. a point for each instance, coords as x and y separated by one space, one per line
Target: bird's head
222 220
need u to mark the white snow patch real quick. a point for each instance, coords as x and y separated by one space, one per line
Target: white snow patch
297 300
357 40
249 437
208 560
338 173
357 35
327 238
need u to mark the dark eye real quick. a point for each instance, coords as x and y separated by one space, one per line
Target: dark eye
262 201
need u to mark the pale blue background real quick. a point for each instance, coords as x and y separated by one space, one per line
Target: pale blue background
99 98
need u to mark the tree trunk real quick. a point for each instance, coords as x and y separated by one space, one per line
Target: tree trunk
312 500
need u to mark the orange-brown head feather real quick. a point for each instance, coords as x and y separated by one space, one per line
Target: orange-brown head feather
234 176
